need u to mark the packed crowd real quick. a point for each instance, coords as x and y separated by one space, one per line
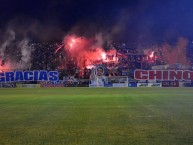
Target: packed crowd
43 57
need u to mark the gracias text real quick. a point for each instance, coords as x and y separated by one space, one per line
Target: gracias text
38 75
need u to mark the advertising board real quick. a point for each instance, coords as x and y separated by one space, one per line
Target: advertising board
7 85
170 84
120 85
149 85
49 84
28 85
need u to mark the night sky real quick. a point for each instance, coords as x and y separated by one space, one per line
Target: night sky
149 21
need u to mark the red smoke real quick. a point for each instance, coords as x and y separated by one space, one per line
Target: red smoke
177 53
84 51
5 67
170 54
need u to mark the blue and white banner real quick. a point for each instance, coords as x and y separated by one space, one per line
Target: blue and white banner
97 77
37 75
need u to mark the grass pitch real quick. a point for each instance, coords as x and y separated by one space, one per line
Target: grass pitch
96 116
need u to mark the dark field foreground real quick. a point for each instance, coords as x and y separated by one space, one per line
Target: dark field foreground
96 116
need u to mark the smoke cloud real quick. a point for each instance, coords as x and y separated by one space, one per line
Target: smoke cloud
15 53
176 53
170 53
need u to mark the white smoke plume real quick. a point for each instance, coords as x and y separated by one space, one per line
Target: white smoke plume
9 37
15 53
25 53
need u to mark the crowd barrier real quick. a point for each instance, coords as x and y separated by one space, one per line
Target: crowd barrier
119 85
48 79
